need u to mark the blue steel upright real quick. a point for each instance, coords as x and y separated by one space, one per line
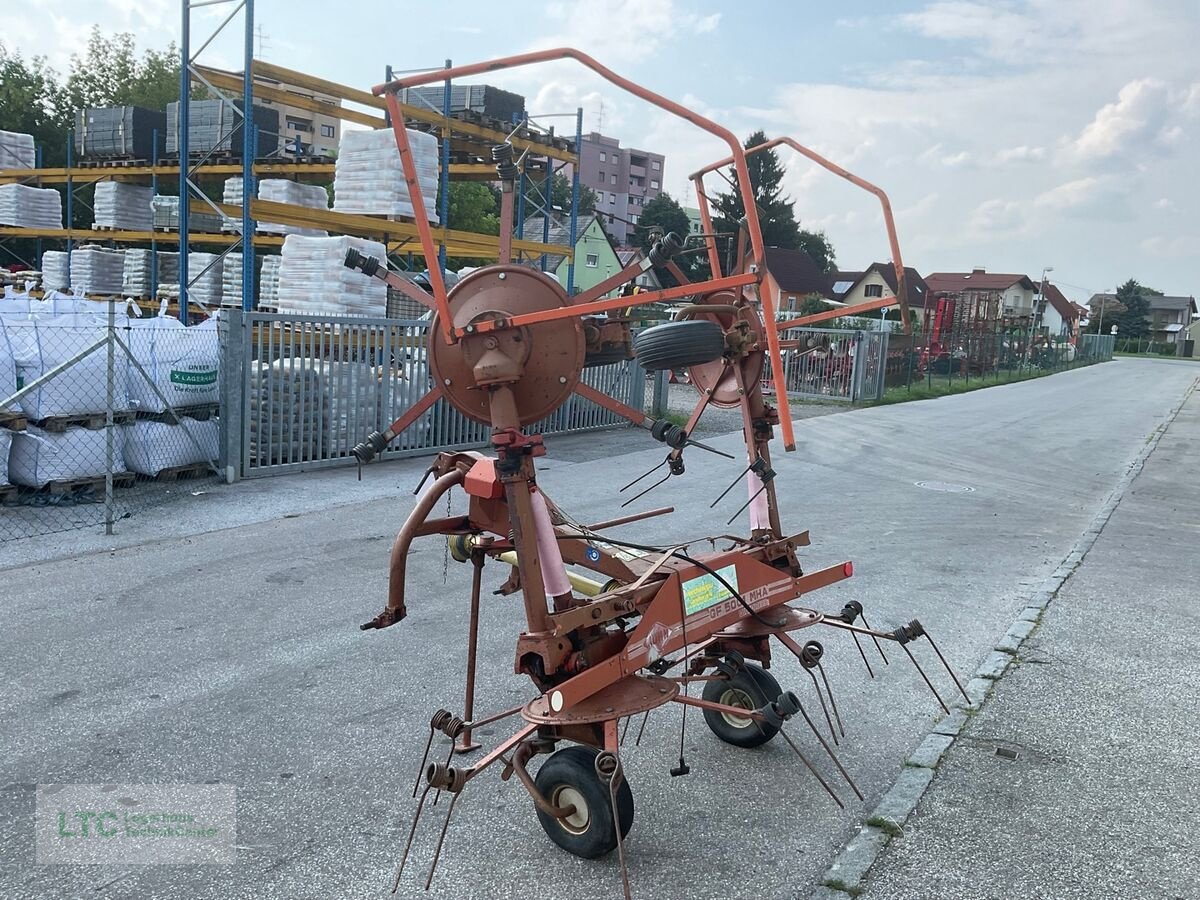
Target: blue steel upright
574 200
153 231
248 155
70 197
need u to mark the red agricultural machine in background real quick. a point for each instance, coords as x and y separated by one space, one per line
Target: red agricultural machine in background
614 628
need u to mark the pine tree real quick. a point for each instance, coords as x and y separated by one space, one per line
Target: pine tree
1133 321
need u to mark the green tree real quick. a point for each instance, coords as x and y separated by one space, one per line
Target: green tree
776 213
662 213
474 206
109 73
813 304
1133 321
30 102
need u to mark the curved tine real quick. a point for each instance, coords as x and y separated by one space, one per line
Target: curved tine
437 853
929 683
833 756
824 708
661 481
862 653
412 831
832 702
878 646
612 799
625 729
424 759
641 729
957 683
811 768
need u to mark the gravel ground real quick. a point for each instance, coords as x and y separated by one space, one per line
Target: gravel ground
682 399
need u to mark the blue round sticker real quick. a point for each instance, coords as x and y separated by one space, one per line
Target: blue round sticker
593 554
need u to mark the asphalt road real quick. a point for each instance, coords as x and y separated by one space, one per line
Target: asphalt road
234 656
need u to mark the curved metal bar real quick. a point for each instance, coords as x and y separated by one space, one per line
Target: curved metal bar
737 157
888 221
399 556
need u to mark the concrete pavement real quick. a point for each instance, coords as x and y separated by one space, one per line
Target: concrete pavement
1078 777
233 654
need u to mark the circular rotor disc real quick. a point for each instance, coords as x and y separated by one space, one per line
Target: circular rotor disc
554 357
716 376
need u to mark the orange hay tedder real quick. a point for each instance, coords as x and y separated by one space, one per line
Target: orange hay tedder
508 347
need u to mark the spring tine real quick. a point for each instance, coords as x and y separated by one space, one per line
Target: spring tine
832 702
936 695
437 853
824 708
732 485
744 505
643 475
641 729
816 774
833 756
424 759
878 646
858 644
625 729
449 756
612 799
957 683
412 831
647 490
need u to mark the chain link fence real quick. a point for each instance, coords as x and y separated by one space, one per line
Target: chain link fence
102 414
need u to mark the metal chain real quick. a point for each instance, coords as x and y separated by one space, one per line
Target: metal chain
446 548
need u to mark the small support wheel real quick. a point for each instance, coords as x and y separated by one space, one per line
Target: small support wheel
677 345
569 777
750 688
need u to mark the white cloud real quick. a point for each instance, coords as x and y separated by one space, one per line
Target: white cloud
1094 196
1181 246
1138 111
997 215
1164 203
1021 154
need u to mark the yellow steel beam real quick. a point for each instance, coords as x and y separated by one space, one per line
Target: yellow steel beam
458 243
163 237
366 98
233 82
60 175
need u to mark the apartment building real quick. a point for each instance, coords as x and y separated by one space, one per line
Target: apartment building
624 180
318 134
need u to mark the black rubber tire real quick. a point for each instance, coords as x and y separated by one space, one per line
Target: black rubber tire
746 690
605 357
574 769
765 680
677 345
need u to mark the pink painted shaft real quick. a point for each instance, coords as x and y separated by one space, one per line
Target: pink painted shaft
760 510
554 573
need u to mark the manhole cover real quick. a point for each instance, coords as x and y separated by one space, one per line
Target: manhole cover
944 486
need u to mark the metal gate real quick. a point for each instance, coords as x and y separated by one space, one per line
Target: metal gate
305 389
832 364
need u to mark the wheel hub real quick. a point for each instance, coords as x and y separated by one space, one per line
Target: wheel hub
578 821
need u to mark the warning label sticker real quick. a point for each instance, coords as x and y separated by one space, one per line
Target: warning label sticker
705 590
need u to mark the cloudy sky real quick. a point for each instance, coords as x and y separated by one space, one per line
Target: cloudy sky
1012 134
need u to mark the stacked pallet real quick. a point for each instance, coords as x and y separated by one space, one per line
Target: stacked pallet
368 178
135 280
205 279
280 190
216 126
313 278
286 410
231 279
166 217
28 207
268 284
119 132
119 204
97 270
56 270
16 150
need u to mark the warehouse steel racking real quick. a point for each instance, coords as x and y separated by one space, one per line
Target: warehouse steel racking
464 146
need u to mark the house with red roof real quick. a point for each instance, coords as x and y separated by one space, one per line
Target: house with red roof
1058 316
1014 291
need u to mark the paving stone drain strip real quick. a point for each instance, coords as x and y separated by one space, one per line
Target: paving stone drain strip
847 873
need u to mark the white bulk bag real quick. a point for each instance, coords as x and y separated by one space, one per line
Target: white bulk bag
39 457
78 390
151 447
182 361
8 369
5 444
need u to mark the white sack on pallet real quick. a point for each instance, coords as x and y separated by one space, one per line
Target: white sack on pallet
151 447
119 204
8 365
368 177
30 207
204 289
182 361
135 278
97 270
40 344
313 278
39 457
56 271
268 284
280 190
16 150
